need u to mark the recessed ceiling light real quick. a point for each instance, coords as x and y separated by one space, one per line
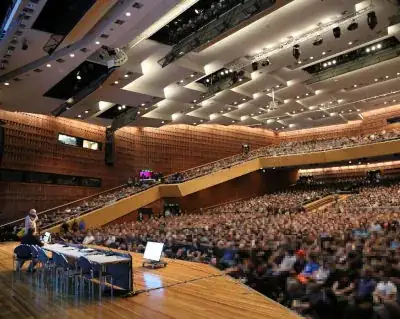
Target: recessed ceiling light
72 55
334 61
86 111
48 65
299 62
233 121
240 80
116 82
325 65
387 76
235 102
368 50
143 104
385 102
126 76
297 97
194 123
277 118
128 14
349 162
79 115
355 85
376 80
6 83
358 110
350 43
302 110
119 108
394 101
194 101
78 77
243 99
229 109
123 106
323 53
379 46
398 73
162 122
138 112
324 115
311 57
97 42
181 81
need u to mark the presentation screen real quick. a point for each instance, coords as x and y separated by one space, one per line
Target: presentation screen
153 251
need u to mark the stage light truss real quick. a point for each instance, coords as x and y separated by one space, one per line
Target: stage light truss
310 35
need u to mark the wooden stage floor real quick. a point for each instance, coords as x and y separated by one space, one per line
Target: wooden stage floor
181 290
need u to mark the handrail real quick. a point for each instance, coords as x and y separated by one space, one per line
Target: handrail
257 155
66 205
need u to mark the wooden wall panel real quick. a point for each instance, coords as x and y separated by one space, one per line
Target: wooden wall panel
31 144
244 187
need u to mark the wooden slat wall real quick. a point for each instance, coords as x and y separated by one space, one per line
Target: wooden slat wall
31 144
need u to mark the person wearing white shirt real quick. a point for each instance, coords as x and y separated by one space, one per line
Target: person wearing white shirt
287 262
385 290
89 239
30 221
110 240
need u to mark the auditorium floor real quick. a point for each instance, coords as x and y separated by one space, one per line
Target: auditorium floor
181 290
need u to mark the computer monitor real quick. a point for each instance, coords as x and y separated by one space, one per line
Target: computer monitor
153 251
46 238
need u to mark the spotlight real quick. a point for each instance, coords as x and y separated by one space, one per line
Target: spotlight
372 20
296 51
337 32
266 62
318 41
379 46
78 77
352 26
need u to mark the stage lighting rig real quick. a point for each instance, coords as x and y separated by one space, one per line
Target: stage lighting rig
337 32
296 51
353 26
372 20
318 41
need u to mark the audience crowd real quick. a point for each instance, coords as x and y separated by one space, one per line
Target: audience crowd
340 261
284 148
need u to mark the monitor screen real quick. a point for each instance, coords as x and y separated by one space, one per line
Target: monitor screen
146 174
153 251
46 237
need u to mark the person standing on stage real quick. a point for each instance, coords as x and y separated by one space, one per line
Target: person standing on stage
30 221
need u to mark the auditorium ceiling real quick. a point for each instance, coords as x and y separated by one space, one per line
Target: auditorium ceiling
249 75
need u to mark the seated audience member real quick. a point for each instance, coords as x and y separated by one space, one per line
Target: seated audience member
366 285
385 289
89 239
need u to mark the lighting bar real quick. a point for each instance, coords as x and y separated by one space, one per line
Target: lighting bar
311 35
